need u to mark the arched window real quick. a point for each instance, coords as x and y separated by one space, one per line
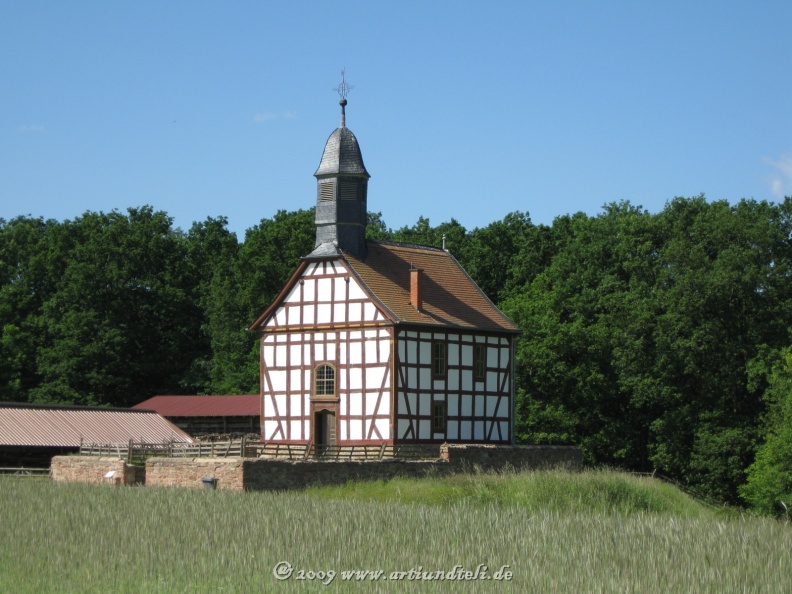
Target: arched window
324 381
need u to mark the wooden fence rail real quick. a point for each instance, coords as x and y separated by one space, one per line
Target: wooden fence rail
137 452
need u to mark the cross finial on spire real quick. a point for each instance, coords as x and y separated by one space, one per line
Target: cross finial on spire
342 90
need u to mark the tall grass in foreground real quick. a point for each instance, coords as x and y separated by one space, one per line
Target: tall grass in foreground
84 539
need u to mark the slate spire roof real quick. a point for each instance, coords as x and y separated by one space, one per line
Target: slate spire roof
342 154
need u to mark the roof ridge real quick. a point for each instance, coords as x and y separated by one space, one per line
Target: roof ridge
408 245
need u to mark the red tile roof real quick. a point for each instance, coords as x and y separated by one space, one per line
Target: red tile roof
246 405
450 297
64 426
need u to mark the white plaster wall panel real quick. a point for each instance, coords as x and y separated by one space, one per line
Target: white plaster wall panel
424 404
339 313
424 429
437 336
355 335
370 313
332 348
355 292
343 406
439 384
384 350
371 352
355 353
280 404
401 348
355 378
295 405
307 351
452 430
453 380
370 404
467 355
356 429
324 286
383 426
492 406
375 377
268 355
492 356
356 404
355 312
384 405
277 319
504 427
453 354
319 351
467 405
426 351
280 355
295 429
309 270
295 353
309 291
412 401
425 377
504 358
402 426
324 313
401 404
492 381
294 294
309 315
466 430
412 378
306 429
340 288
467 382
270 429
277 380
478 430
478 406
453 406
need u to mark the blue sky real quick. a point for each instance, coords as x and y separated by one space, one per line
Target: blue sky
465 110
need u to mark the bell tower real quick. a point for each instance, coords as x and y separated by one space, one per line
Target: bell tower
341 187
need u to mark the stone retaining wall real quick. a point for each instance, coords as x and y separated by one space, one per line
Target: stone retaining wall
92 469
190 472
258 474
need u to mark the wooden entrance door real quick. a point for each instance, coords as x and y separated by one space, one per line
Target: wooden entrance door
324 429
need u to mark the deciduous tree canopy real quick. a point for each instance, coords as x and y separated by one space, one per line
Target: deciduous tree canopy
654 341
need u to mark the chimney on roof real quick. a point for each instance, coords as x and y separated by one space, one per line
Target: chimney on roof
415 288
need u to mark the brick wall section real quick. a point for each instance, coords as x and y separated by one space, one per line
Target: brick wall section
92 469
190 472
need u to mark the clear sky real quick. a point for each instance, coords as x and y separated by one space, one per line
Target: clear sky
465 110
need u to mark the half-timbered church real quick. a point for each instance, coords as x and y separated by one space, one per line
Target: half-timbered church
374 342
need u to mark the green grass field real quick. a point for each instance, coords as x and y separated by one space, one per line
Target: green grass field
556 531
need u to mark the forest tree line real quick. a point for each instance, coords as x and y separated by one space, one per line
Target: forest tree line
653 341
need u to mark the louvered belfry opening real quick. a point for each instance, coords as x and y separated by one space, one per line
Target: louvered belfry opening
342 185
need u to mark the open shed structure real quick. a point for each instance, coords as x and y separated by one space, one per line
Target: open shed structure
31 434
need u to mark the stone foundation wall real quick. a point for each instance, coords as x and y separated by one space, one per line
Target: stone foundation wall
190 472
92 469
258 474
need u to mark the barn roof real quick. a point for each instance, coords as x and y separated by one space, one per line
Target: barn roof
65 426
450 297
246 405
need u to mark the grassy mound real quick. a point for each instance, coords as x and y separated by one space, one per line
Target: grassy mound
600 491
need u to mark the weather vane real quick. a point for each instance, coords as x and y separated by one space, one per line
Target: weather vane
344 88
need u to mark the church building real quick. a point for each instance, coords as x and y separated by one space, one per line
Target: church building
374 342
